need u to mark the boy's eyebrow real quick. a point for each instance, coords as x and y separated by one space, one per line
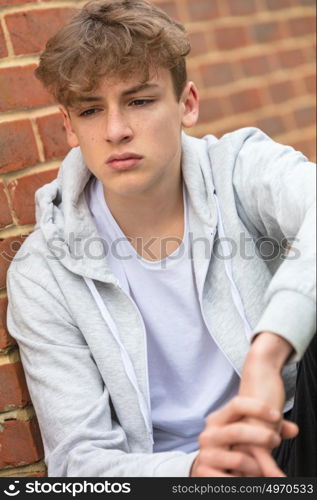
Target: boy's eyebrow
138 88
132 90
88 98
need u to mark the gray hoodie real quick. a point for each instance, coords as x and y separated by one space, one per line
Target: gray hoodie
88 406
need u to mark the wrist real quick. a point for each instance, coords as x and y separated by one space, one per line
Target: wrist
270 349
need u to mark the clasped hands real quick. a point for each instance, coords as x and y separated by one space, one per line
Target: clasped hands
239 437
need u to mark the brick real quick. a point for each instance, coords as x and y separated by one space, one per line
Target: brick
310 54
20 443
273 125
198 43
242 7
13 80
305 116
266 32
202 10
307 147
230 37
169 7
278 4
255 66
291 58
8 249
18 147
282 91
53 136
306 2
246 100
14 2
228 126
29 31
302 26
310 83
5 215
3 47
22 194
210 110
6 341
217 74
14 392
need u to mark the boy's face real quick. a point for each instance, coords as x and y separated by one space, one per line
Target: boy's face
140 121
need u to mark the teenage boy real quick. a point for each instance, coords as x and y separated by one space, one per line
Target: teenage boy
144 295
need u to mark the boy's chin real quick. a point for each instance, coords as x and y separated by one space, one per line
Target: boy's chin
126 189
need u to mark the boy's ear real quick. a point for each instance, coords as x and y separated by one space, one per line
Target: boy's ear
70 134
190 104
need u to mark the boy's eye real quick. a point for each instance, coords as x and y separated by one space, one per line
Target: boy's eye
141 102
89 112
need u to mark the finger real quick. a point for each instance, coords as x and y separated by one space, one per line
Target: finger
289 429
267 463
239 433
205 471
247 450
239 407
232 460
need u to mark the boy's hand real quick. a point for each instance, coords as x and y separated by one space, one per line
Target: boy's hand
224 429
266 463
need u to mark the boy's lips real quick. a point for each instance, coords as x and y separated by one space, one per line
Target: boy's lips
123 161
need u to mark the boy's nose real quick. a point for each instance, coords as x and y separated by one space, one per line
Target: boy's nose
117 128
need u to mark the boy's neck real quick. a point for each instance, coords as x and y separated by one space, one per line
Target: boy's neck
155 211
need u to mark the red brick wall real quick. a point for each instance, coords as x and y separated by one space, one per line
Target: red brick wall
253 61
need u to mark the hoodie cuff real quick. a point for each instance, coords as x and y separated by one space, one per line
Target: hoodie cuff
292 316
177 466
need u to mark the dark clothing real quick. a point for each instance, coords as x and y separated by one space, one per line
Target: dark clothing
297 457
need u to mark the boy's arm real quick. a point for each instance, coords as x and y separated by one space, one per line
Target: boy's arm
275 194
275 188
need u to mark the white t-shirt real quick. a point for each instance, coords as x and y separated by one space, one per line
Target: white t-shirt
189 376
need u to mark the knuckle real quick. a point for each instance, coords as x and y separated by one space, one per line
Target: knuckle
203 439
232 432
262 408
210 419
270 437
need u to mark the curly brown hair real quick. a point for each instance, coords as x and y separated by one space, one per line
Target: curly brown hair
116 38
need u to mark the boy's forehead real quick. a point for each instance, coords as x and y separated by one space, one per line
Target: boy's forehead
119 85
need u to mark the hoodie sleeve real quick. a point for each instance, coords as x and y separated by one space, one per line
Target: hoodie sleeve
275 189
80 436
